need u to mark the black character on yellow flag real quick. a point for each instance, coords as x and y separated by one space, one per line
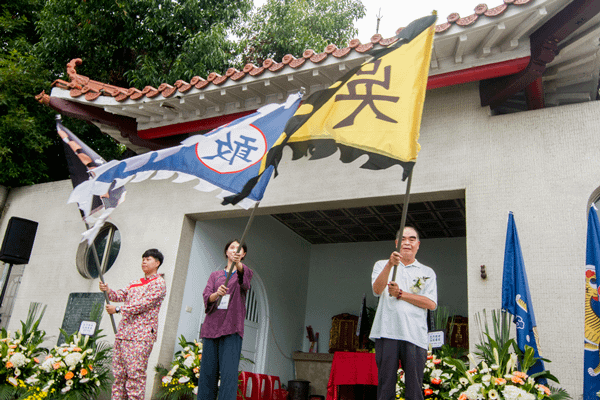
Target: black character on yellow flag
368 98
374 109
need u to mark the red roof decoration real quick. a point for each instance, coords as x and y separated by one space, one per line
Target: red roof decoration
80 85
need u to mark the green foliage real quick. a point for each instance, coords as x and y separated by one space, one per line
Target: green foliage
283 27
500 323
30 149
22 141
135 43
139 42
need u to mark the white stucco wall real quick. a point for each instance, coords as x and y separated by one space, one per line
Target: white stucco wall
542 165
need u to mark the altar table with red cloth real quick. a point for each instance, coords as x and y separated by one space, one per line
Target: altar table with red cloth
350 368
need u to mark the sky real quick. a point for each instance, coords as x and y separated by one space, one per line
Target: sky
399 13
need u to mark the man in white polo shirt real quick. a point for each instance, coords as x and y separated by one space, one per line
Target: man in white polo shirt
400 326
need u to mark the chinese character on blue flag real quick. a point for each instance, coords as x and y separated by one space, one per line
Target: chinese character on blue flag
591 360
516 298
233 158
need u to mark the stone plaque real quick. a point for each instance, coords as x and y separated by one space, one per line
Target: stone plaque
79 308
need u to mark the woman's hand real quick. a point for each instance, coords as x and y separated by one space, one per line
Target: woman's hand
222 291
237 260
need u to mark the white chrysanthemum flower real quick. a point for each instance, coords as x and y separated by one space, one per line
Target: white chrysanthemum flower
47 365
493 394
18 359
486 378
473 392
436 373
72 359
70 382
463 381
184 379
514 393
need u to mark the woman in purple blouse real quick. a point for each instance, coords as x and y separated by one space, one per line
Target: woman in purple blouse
223 327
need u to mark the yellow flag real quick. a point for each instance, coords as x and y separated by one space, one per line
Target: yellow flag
374 109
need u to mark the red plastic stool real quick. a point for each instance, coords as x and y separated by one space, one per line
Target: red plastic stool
268 384
246 378
264 391
274 381
280 394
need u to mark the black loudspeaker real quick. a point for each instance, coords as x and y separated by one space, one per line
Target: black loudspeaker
18 241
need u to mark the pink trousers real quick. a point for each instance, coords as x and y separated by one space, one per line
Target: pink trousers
130 360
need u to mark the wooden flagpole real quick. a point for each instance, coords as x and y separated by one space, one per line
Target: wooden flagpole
229 273
100 268
403 220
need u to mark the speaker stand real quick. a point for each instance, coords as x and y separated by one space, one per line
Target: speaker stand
4 286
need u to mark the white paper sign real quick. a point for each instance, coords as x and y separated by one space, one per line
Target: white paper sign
437 339
87 328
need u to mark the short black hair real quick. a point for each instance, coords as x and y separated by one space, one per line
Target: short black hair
244 247
154 253
399 234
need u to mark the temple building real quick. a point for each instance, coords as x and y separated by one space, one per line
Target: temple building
509 124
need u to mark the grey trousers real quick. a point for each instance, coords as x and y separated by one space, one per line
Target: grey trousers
388 352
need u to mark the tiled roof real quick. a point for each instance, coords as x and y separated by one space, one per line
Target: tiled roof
80 85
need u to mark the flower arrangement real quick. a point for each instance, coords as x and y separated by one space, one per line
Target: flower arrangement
78 369
450 378
500 375
21 354
418 284
439 379
498 381
181 381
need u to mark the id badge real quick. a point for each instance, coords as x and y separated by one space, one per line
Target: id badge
224 302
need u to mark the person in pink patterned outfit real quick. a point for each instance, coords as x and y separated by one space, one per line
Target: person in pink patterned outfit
138 327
